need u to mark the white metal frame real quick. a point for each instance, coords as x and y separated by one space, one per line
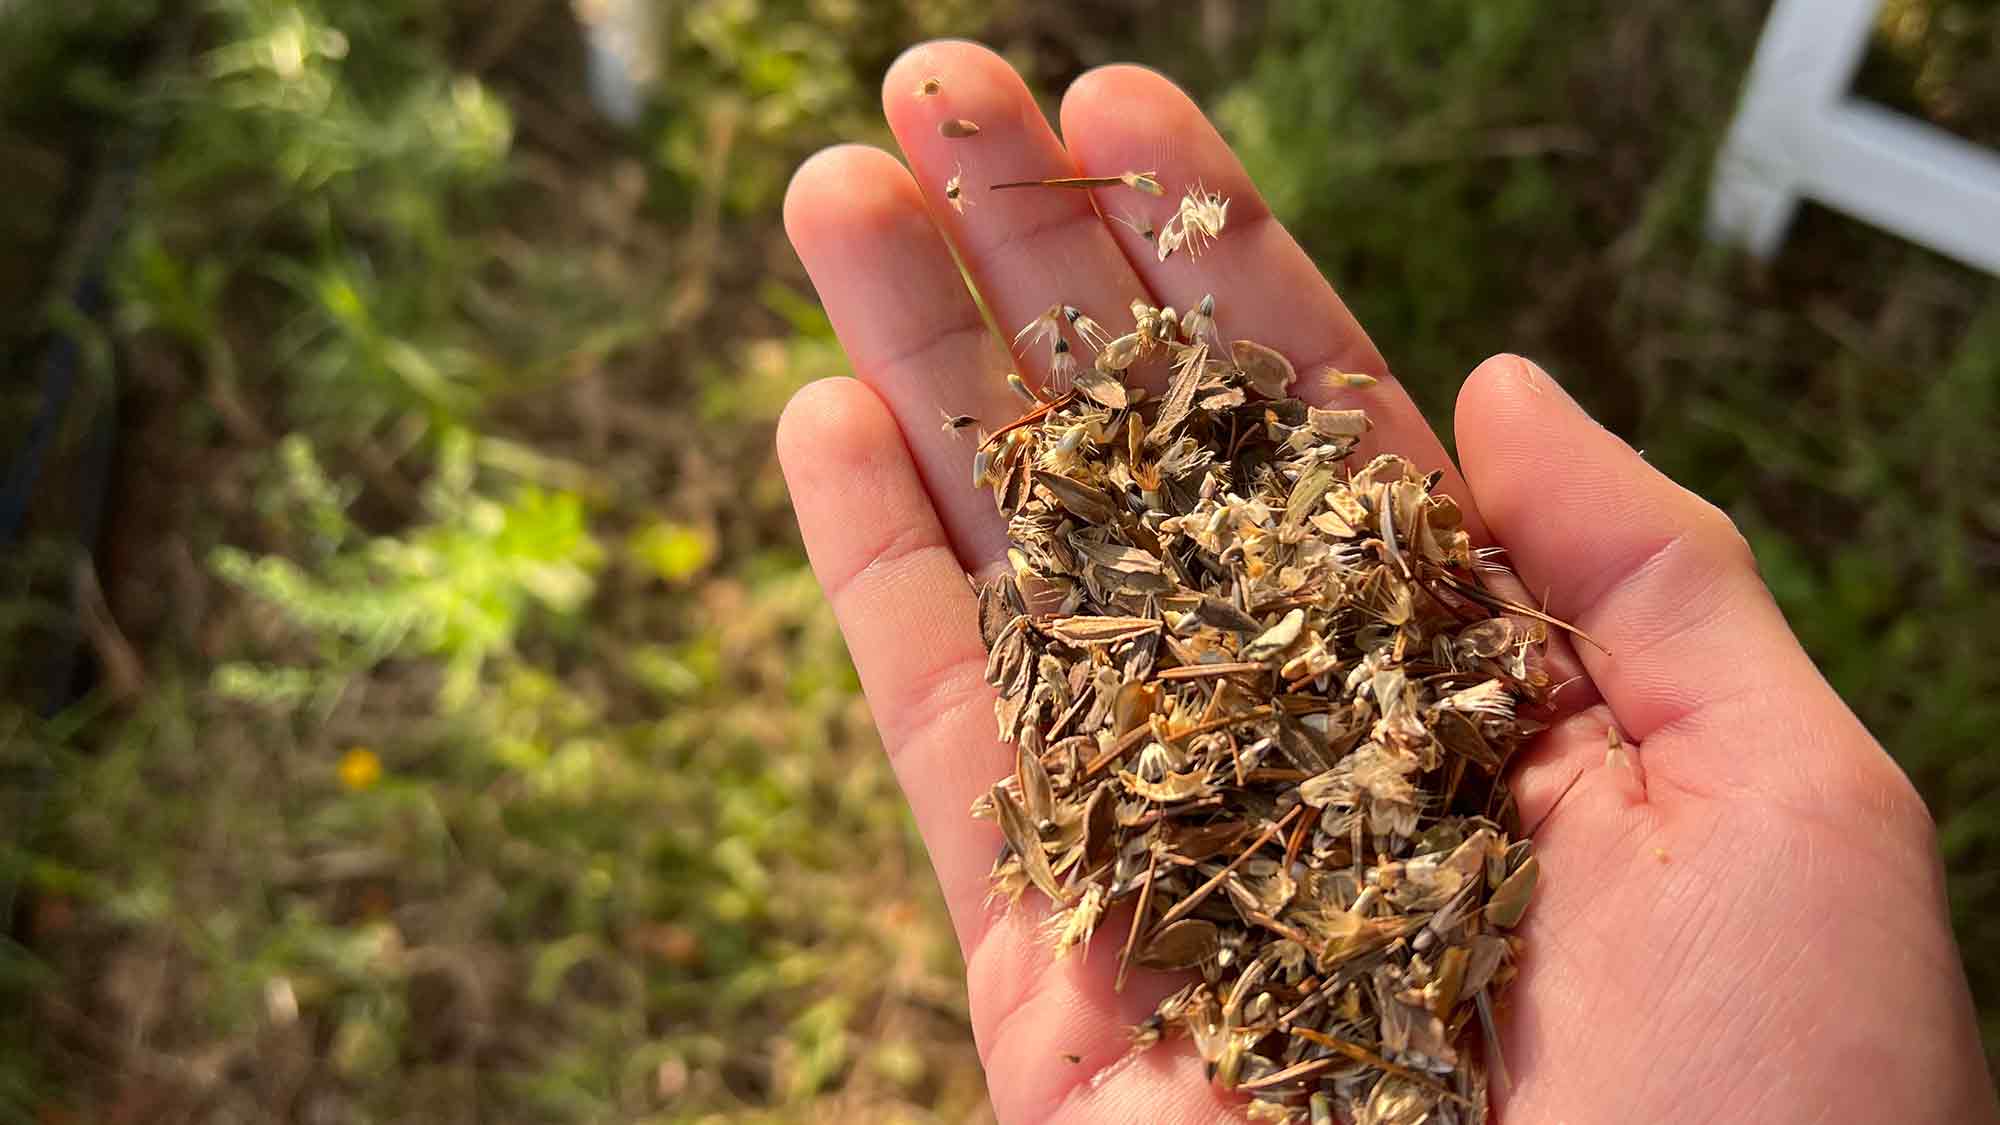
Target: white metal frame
1798 135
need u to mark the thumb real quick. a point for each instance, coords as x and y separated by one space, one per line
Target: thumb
1696 646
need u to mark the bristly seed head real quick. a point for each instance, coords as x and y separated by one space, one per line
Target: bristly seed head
1197 222
952 191
1089 331
1062 368
1043 327
1200 324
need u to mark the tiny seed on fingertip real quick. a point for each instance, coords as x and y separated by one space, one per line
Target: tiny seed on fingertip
953 191
1350 379
1142 181
1140 226
930 86
958 128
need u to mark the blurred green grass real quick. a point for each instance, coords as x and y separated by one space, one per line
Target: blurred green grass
473 744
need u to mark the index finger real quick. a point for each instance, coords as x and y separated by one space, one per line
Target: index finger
1026 250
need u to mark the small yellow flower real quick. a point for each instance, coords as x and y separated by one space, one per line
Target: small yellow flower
360 769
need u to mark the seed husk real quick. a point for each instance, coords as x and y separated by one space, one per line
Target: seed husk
1183 945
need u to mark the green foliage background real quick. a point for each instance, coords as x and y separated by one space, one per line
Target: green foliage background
471 743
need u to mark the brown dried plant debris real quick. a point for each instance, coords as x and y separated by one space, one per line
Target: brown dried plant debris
1259 693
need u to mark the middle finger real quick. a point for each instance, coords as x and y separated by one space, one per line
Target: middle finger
1026 249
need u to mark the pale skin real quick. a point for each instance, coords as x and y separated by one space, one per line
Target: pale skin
1741 915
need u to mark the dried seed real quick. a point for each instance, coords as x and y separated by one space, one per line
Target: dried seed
1338 423
1183 945
957 129
1220 614
1142 227
1206 841
1268 372
1441 994
1122 352
1511 900
1038 796
1349 380
1188 372
1277 638
1102 630
1074 926
1026 840
1312 486
1171 788
1085 502
953 193
1133 707
1100 828
1103 387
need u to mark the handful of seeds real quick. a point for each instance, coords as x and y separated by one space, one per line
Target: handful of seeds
1262 697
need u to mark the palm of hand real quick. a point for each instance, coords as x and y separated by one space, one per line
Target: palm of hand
1740 915
1712 945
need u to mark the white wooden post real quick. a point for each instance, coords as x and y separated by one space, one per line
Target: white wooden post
1798 134
622 57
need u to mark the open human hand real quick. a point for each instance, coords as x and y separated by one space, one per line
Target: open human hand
1739 919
